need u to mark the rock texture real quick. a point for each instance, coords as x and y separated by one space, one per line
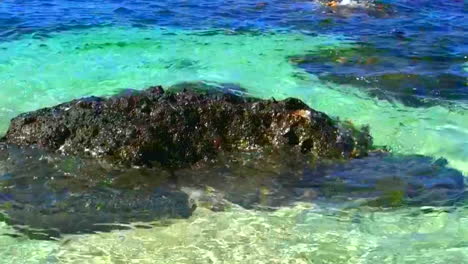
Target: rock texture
181 127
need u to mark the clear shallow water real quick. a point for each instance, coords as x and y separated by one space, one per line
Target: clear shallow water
300 234
102 61
55 51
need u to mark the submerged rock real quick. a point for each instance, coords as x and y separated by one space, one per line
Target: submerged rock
281 179
92 211
245 151
175 129
388 180
48 195
387 74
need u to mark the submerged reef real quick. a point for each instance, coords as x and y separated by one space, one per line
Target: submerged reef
71 168
417 81
183 126
98 164
380 180
47 195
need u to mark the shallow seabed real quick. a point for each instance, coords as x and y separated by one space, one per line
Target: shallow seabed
57 51
304 233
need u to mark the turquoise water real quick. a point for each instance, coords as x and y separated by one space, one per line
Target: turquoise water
97 62
72 64
54 52
300 234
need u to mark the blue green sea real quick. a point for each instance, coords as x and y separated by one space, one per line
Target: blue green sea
398 66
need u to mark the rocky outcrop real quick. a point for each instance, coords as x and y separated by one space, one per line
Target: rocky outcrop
244 151
45 194
181 127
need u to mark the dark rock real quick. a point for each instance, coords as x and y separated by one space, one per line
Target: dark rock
283 178
386 180
123 11
175 129
45 195
387 74
92 211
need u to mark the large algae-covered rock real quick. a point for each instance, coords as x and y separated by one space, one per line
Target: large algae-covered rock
178 128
